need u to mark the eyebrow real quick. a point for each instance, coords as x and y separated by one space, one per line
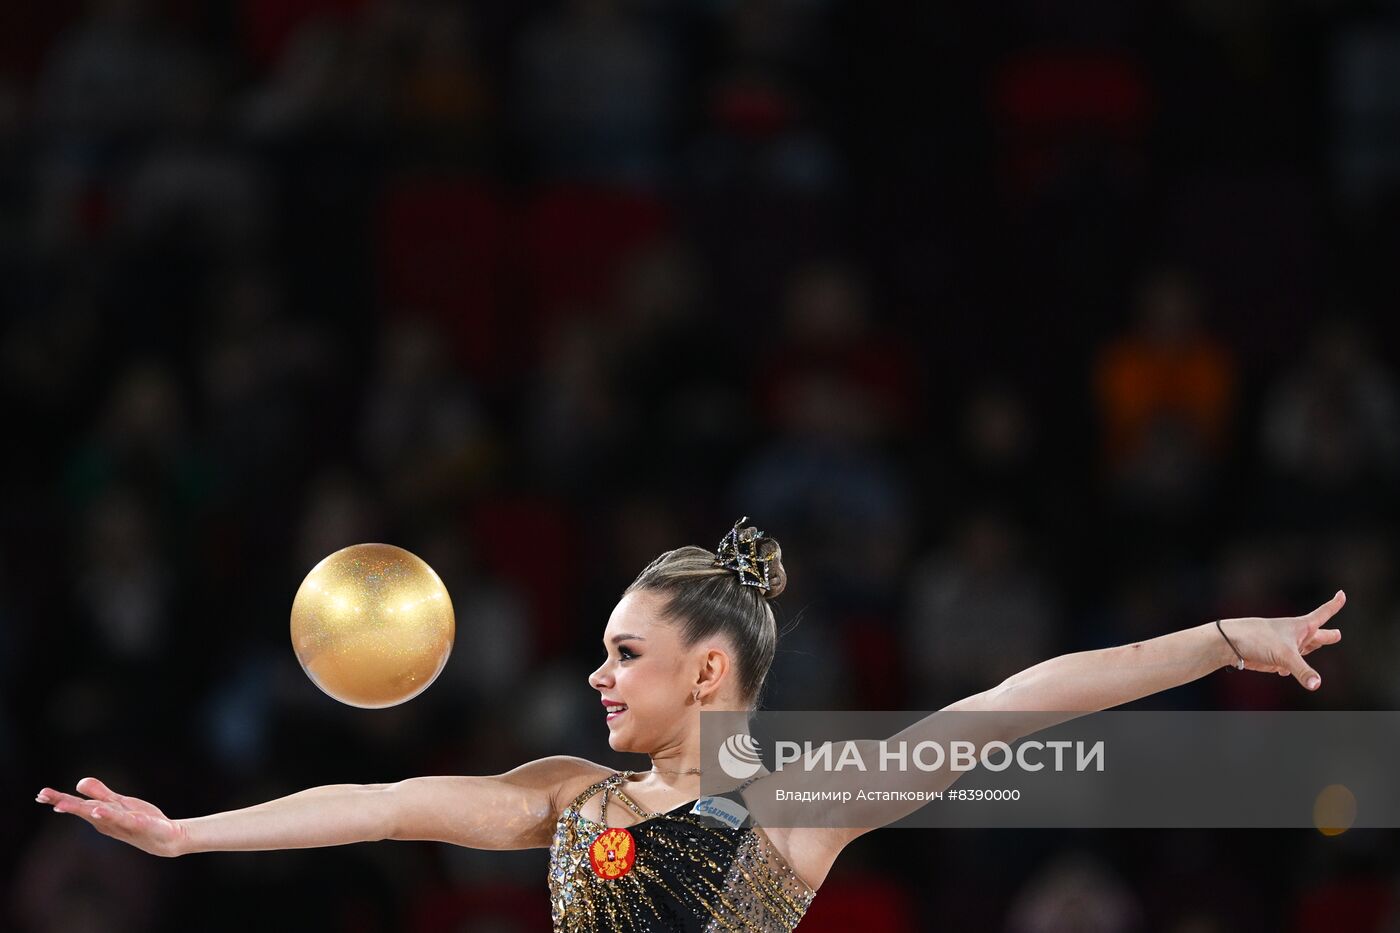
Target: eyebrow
623 637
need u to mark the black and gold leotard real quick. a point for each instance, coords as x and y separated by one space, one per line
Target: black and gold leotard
681 871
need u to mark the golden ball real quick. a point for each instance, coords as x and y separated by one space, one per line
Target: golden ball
372 625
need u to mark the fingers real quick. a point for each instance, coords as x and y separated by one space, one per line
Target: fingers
107 817
1323 636
61 802
68 803
95 788
1327 610
1308 677
99 813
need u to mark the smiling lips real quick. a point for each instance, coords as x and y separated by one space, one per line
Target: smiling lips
614 708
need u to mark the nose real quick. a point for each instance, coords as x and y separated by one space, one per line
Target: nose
599 679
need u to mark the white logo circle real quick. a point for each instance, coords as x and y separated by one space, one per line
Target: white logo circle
738 756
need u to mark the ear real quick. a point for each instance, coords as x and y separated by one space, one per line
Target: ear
713 671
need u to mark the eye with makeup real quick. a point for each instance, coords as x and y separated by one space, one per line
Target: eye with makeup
627 653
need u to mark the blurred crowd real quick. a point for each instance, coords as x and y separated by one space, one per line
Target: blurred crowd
1026 329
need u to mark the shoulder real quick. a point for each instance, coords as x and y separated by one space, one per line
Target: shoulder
567 776
556 779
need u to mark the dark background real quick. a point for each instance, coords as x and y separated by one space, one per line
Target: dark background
1026 327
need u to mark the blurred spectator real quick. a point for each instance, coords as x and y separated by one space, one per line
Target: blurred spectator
1070 119
330 76
1331 429
1075 893
760 137
686 379
1255 243
126 585
441 86
997 434
761 129
267 26
825 481
493 649
192 184
340 510
830 332
115 78
1001 456
119 71
236 719
142 437
595 93
575 241
1364 86
441 252
575 421
834 390
266 377
978 611
424 431
556 697
1165 395
534 543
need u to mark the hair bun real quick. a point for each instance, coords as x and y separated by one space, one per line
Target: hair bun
755 557
777 573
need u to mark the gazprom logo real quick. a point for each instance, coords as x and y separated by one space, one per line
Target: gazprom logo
725 811
738 756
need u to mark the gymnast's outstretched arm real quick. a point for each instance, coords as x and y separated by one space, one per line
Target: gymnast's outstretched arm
1072 685
514 810
1088 681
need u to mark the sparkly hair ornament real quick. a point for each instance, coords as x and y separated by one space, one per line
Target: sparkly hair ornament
738 551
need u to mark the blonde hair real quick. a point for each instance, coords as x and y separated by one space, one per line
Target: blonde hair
705 599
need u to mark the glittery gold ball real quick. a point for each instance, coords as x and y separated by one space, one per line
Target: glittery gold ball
372 625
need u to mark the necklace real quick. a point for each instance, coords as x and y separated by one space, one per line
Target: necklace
686 771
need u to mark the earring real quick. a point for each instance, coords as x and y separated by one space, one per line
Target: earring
697 694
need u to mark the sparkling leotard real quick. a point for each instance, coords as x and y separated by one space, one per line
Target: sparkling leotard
690 874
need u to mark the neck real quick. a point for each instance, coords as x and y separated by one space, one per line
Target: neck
677 763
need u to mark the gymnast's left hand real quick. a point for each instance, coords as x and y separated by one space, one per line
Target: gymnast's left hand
1279 645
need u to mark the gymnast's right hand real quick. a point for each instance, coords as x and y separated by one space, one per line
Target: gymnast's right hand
129 819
